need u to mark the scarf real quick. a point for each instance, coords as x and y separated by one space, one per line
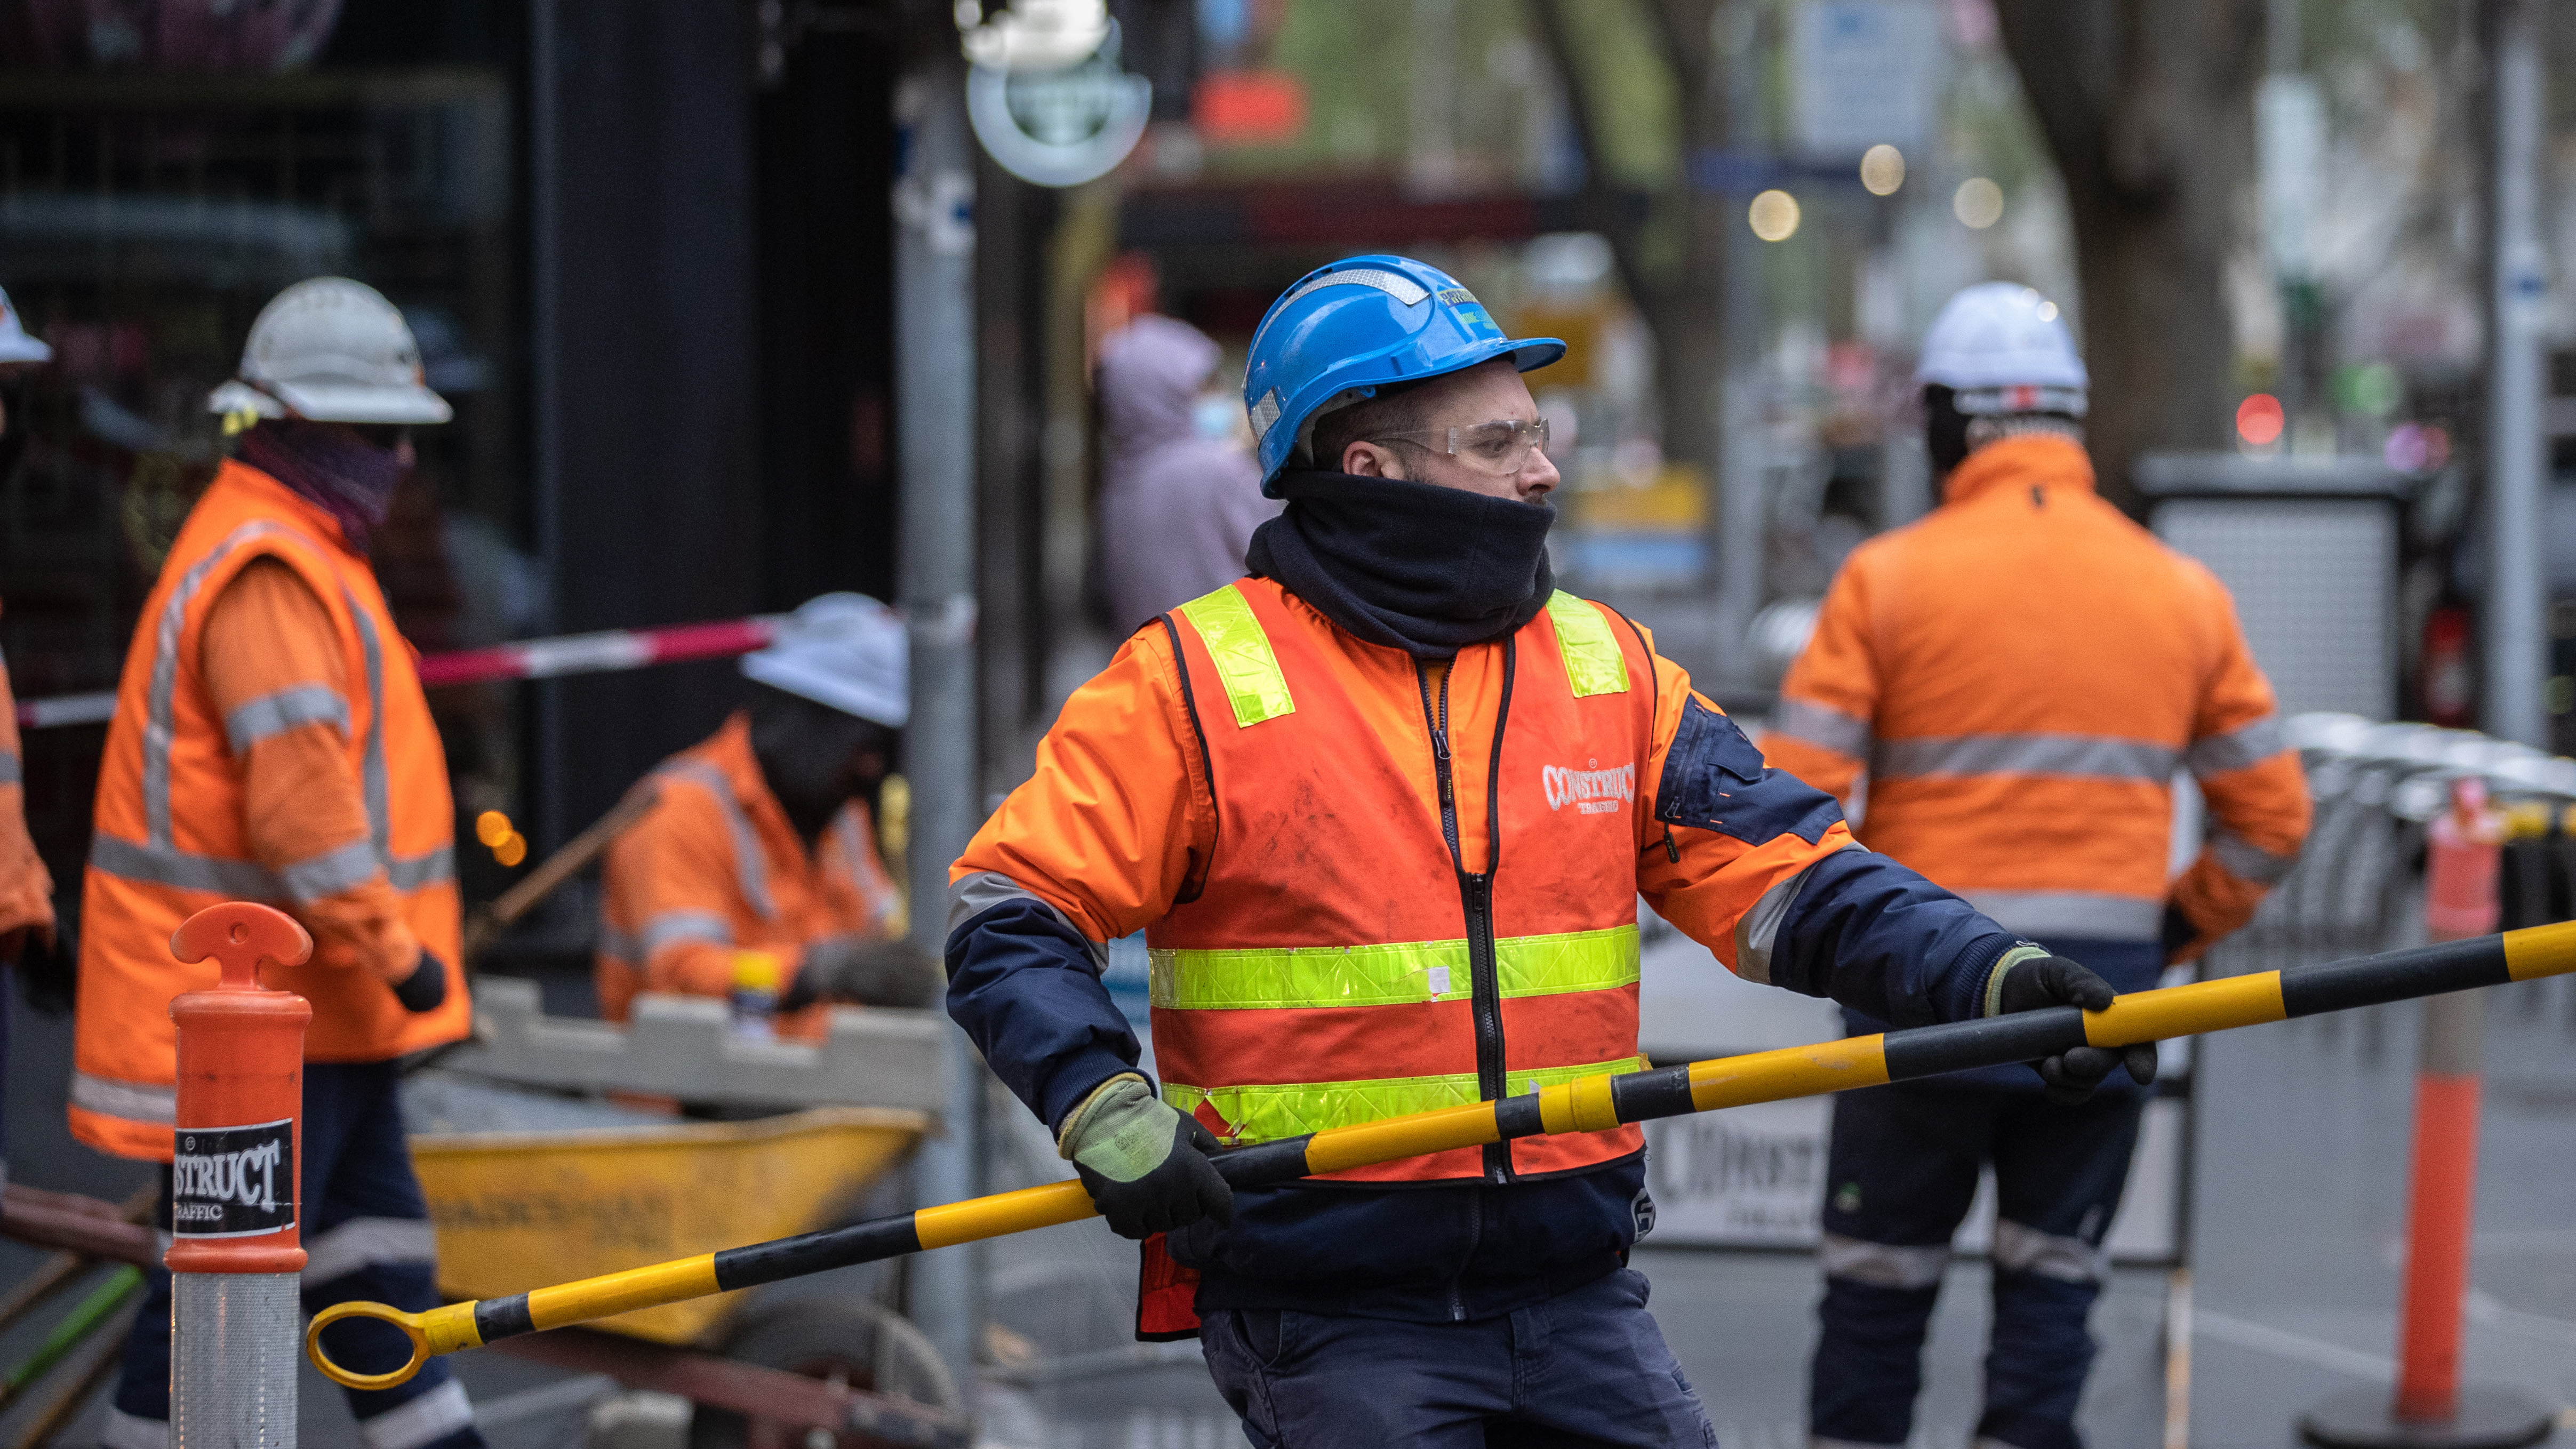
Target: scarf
1412 566
330 469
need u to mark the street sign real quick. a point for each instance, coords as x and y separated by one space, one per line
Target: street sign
1867 74
1060 127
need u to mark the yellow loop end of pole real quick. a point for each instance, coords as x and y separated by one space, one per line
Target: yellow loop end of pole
441 1330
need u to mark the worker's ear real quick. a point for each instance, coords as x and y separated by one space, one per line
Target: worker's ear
1372 460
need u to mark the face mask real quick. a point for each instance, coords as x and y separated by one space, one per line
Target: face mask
1216 416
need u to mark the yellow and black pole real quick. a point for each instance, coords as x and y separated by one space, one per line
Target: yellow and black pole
1588 1104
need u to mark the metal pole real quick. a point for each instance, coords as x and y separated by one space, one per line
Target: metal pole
935 415
545 357
2517 591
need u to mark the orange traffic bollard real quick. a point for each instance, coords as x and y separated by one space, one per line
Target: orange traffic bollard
2463 852
236 1252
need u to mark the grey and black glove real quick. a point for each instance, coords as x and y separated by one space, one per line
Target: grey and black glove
863 971
426 987
1144 1163
2028 978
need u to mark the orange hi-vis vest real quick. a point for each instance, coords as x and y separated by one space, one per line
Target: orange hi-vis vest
171 838
1338 961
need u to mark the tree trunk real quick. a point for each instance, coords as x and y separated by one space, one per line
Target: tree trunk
2146 107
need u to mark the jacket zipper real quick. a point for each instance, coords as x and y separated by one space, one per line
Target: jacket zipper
1476 894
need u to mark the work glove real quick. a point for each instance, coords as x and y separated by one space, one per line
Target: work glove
1144 1163
426 987
2028 978
865 972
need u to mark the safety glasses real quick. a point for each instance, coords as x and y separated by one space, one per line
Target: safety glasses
1501 447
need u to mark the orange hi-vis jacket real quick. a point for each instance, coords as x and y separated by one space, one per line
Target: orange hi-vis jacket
2021 674
715 867
172 835
1372 887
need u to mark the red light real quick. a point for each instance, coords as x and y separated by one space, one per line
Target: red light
1247 108
2258 419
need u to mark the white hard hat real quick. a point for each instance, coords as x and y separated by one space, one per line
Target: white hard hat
16 343
2004 348
334 351
844 650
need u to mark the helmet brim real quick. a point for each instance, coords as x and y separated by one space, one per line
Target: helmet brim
23 348
342 403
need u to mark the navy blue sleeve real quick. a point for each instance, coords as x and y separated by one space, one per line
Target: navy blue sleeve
1881 939
1022 982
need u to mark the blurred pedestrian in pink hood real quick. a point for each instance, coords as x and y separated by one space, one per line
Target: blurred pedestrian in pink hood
1180 491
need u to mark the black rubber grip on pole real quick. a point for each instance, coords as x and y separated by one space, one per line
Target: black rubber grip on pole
2394 976
1519 1117
1263 1164
2024 1036
498 1318
866 1242
1657 1092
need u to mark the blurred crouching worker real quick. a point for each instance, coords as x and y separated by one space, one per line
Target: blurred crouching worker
271 743
757 872
2020 674
1180 491
26 887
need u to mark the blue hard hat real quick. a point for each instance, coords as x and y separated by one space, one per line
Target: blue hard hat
1353 326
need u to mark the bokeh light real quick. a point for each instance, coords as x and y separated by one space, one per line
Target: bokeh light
492 827
1774 215
1882 169
2259 420
512 849
1978 203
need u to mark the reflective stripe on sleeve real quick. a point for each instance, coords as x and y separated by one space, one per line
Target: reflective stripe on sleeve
1258 978
2097 756
1241 652
331 872
2084 915
286 709
12 771
424 1420
1593 663
412 872
2248 744
2247 861
366 1243
972 895
1823 726
1757 929
1882 1265
131 1101
669 928
750 866
1265 1113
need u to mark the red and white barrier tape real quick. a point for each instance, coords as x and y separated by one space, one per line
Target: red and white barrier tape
601 653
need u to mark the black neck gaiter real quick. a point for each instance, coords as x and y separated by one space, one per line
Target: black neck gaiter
1412 566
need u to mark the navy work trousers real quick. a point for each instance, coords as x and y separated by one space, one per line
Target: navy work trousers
1586 1367
1900 1175
366 1236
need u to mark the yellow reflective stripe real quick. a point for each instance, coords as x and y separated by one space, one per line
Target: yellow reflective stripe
1593 663
1241 652
1277 977
1264 1113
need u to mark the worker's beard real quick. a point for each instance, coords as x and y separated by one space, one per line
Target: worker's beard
331 468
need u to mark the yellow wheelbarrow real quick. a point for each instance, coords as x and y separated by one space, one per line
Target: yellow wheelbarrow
525 1189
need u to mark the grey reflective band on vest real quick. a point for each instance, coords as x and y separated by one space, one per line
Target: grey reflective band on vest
180 870
2247 861
1882 1265
2079 915
2097 756
1757 929
975 894
669 928
331 872
160 721
380 815
749 865
275 714
132 1101
1822 726
2248 744
12 772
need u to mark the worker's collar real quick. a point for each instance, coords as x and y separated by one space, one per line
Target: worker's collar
1412 566
2029 462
